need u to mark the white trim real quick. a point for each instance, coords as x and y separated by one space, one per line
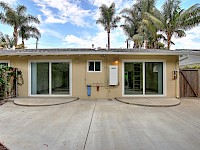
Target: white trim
94 65
143 61
5 61
123 78
164 78
143 78
50 92
50 76
29 78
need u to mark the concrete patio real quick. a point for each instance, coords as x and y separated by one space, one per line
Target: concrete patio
101 124
150 101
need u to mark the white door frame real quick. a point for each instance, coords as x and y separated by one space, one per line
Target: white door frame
143 64
50 62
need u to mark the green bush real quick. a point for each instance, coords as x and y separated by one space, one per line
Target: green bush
3 82
5 75
191 67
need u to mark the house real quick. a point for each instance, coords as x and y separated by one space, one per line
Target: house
96 73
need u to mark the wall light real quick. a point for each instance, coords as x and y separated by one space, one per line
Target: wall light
116 61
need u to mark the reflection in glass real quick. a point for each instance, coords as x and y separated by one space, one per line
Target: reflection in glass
39 78
154 78
133 78
60 78
97 66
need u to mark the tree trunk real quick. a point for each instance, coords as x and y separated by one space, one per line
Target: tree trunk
108 40
23 42
127 43
36 44
15 35
168 41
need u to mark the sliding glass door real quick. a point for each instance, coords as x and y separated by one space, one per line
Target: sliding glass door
133 78
40 78
60 78
50 78
154 78
143 78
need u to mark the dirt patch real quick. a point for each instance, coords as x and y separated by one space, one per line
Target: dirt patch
3 147
1 103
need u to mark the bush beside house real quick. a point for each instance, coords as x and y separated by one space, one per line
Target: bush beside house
9 76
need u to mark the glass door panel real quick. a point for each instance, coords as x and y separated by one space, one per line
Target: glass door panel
133 78
39 78
154 78
60 78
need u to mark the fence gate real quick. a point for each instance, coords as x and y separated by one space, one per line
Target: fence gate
189 83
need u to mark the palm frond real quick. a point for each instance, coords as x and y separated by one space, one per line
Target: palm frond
21 10
154 21
190 17
179 33
5 6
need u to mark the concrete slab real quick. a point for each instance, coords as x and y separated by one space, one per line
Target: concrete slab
150 101
43 101
101 124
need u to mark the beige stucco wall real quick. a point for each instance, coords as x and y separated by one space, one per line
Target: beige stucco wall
80 76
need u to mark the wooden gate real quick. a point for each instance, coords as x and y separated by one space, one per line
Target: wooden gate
189 83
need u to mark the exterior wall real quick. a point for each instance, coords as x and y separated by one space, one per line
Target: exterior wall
81 78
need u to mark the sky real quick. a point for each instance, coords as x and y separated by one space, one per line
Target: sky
72 24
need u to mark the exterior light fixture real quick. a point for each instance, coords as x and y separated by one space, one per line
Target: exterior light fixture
116 61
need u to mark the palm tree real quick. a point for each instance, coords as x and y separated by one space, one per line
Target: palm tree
139 17
6 41
26 32
16 18
108 19
176 20
129 31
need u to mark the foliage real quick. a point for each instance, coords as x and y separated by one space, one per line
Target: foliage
108 19
5 76
26 32
176 20
18 19
142 22
6 41
191 67
144 19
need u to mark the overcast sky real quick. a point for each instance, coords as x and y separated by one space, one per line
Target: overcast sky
72 24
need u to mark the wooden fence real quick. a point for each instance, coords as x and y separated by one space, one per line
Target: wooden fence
189 83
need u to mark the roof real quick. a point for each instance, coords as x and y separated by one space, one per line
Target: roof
85 51
190 60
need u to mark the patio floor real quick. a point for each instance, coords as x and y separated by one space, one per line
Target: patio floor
101 124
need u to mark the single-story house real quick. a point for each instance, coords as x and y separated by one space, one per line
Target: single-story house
96 73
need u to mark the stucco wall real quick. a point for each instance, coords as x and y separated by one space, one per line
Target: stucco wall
80 76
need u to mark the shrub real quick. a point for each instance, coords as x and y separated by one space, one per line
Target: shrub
6 85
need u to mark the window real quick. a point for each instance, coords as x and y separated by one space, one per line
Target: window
4 63
94 66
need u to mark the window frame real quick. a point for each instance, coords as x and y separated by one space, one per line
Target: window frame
5 61
94 65
145 61
50 83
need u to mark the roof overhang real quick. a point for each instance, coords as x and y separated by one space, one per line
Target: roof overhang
57 52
